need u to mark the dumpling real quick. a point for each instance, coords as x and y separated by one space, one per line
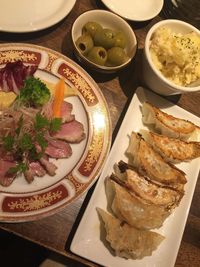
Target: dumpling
127 241
135 211
148 190
168 125
151 164
171 149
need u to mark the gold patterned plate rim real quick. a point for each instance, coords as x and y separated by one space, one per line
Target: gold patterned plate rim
45 196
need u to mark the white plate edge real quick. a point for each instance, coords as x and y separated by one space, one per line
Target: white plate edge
53 20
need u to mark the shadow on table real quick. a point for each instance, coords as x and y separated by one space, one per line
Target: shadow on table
15 251
78 219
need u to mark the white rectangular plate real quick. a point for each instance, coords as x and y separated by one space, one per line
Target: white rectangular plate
87 242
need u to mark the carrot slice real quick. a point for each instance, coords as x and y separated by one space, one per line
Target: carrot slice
58 98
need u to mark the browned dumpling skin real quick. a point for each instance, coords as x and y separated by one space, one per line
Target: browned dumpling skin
171 149
149 162
169 125
126 241
149 191
136 211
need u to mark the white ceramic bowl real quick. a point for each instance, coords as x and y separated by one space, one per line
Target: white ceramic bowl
152 77
107 20
137 10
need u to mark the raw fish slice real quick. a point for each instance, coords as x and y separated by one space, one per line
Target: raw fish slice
171 149
127 241
168 125
151 164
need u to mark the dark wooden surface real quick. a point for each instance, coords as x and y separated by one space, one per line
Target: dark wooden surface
56 232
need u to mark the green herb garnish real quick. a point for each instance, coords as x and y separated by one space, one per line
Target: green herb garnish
41 122
34 93
25 143
19 168
55 124
8 142
41 141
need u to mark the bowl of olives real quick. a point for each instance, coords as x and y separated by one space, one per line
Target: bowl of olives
103 41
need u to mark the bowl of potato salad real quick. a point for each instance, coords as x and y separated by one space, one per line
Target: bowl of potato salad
171 59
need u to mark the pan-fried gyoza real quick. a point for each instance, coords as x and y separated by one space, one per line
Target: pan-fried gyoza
127 241
134 210
149 162
145 191
148 190
172 149
169 125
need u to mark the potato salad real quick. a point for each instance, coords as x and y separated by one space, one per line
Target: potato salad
176 55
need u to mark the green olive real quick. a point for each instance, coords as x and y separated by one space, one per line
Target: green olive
98 55
91 27
84 43
117 56
120 40
104 38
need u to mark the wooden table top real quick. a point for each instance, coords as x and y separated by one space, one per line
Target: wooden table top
56 232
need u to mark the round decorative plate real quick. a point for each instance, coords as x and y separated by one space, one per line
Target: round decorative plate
32 15
44 196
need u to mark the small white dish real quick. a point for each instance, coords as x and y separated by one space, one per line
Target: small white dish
135 10
153 78
29 16
88 242
109 20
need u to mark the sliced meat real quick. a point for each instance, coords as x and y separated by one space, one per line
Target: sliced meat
49 166
58 149
37 169
4 155
72 132
66 110
29 176
6 178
